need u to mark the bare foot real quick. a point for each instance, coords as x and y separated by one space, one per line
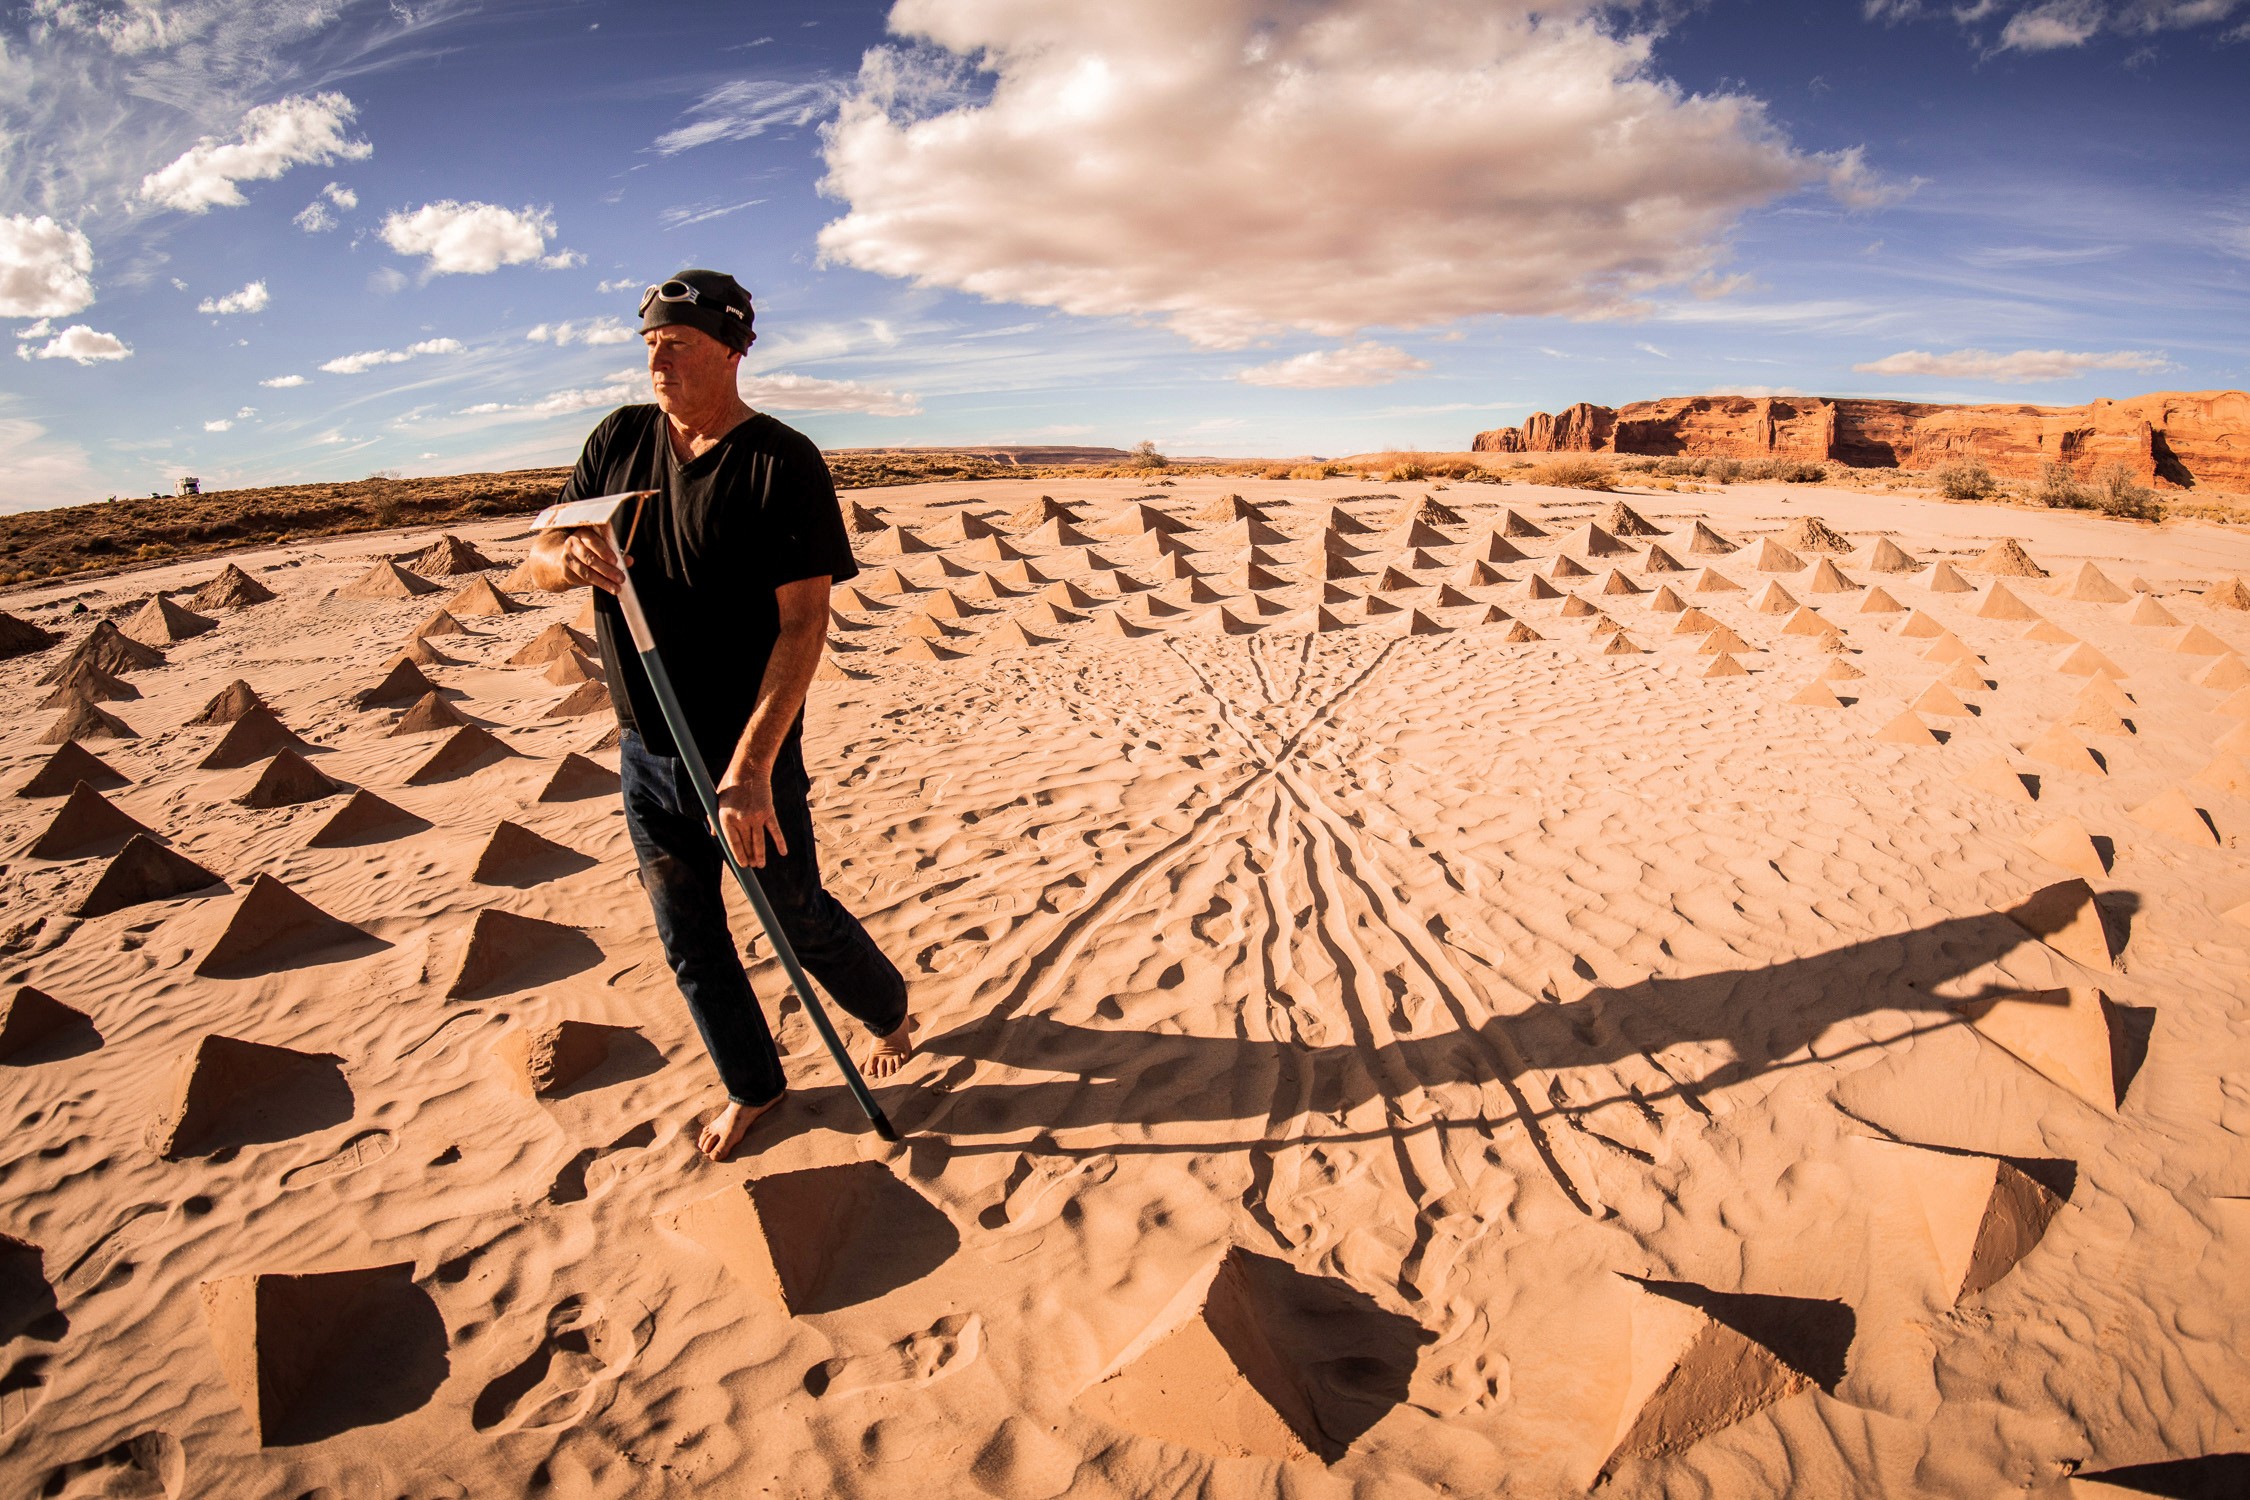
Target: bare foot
725 1130
891 1052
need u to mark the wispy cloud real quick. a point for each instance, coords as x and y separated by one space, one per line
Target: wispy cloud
354 364
593 331
686 214
1366 363
809 393
2022 367
252 298
749 107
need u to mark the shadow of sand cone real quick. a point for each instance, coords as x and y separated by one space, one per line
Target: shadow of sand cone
86 823
314 1352
290 779
274 927
252 738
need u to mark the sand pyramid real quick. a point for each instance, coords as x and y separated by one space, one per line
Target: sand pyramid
1712 581
1393 578
930 629
1342 520
1808 621
1815 694
992 549
1602 625
888 581
1019 574
160 622
108 648
421 653
1996 777
1114 624
2225 773
1494 615
1724 665
1704 542
297 1349
555 642
144 871
1921 626
1886 557
365 819
1693 621
1044 612
542 1062
1412 535
2062 1035
2174 814
1324 619
569 671
2196 641
1906 729
1964 676
1772 557
1482 575
2083 660
386 580
1879 602
1575 608
29 1018
2067 844
1567 567
898 541
403 684
1827 580
1497 549
1520 633
963 526
1691 1373
1618 583
919 650
86 823
2095 716
229 704
1665 601
2065 918
1812 534
1657 560
481 599
2228 672
1009 635
1540 588
1519 527
1941 700
71 764
1773 599
1723 639
19 637
1594 540
1333 566
440 623
2231 593
1228 508
855 599
1200 591
2000 604
1428 509
1418 623
447 556
466 750
866 521
287 780
514 855
2056 746
2093 586
1207 1376
1254 532
1622 520
506 950
2050 633
2007 558
89 683
1944 580
2235 741
1983 1214
82 720
253 737
273 928
986 589
226 1088
2236 706
1951 648
429 714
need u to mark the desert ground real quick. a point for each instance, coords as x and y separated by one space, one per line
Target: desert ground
1421 994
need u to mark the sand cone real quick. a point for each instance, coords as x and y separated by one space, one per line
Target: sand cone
1724 665
160 622
2007 558
1622 520
571 670
1879 602
449 555
2048 632
1827 580
81 720
108 648
29 1018
1772 557
1722 639
1998 778
2083 660
1950 648
1704 542
1540 588
514 855
1965 676
1495 615
1944 580
586 698
429 714
2196 641
1691 1375
1937 698
89 684
1711 581
1567 567
1886 557
2227 672
1596 541
481 599
1657 560
19 637
365 819
1841 670
1999 604
402 685
2062 1035
466 750
231 589
144 871
2144 610
71 764
2097 717
441 623
1812 534
1694 621
1449 597
287 780
254 736
1814 694
1618 583
1575 608
2093 586
272 927
225 1084
291 1342
2235 741
1664 601
1520 633
1773 599
2065 918
1920 626
1906 729
2066 843
86 823
2056 746
552 644
866 521
543 1062
1009 635
229 704
1807 621
1515 525
921 650
386 580
2226 773
506 950
2174 814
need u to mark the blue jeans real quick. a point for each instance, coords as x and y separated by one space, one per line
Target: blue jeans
685 877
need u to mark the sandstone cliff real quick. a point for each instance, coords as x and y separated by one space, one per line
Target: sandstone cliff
2174 438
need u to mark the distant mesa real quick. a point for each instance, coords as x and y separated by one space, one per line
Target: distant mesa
577 778
386 580
86 823
229 1092
273 927
160 623
506 952
2170 438
250 739
820 1239
71 764
34 1023
547 1062
143 871
314 1354
231 589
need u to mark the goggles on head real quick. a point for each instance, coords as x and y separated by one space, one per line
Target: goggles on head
680 291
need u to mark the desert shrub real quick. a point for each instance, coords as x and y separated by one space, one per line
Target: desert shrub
1277 471
2118 493
1313 471
1573 472
1964 479
1798 471
1405 473
1145 456
1637 465
2059 489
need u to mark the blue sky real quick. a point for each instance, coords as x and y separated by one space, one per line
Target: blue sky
266 242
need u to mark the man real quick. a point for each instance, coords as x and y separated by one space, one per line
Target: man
733 559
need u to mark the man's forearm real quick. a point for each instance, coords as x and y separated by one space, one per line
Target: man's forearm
781 694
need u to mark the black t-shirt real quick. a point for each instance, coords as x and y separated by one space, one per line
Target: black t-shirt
725 530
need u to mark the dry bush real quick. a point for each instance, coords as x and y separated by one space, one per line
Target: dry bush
2118 493
1313 471
1574 472
2059 489
1964 479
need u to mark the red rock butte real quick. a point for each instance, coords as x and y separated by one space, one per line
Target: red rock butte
2185 439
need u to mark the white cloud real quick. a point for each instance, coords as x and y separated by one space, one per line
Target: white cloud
621 284
42 470
38 330
562 260
1237 168
620 389
273 138
245 413
2024 366
748 107
314 218
354 364
219 425
1365 363
2056 24
252 298
593 331
283 382
809 393
469 239
46 268
692 213
343 197
79 344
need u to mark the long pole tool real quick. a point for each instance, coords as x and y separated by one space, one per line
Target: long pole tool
600 512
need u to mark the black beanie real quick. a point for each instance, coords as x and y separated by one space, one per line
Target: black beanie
720 307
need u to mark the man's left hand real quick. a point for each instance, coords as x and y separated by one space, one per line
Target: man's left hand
746 819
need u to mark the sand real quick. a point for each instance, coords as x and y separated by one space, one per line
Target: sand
1399 1017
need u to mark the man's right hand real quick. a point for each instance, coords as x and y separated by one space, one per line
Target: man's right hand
582 555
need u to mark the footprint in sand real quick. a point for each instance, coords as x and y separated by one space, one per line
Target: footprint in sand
363 1149
1036 1186
91 1270
21 1391
145 1467
950 1343
572 1374
570 1183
